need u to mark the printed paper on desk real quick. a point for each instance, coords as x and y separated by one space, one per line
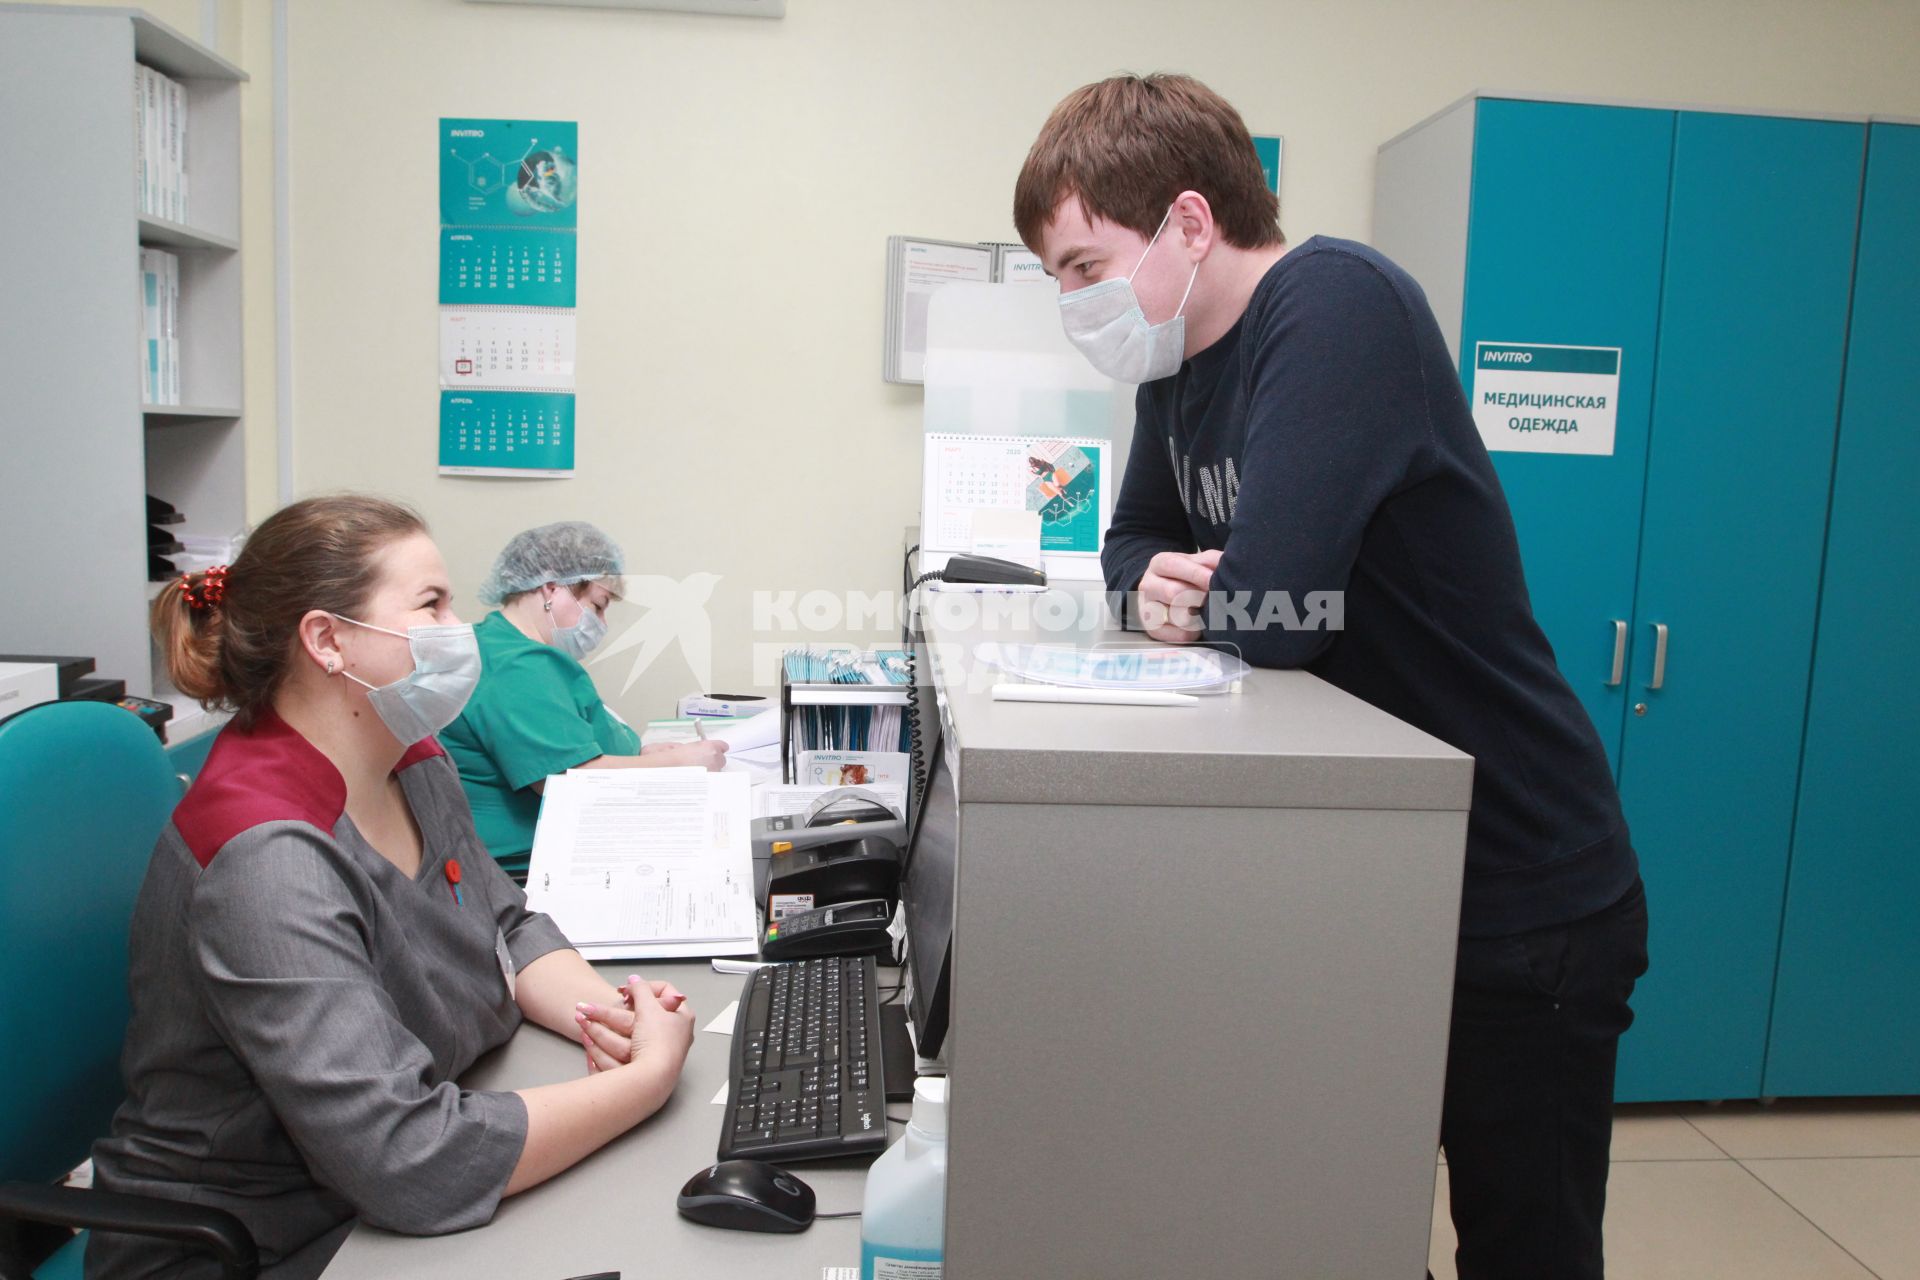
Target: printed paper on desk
636 863
760 766
705 950
759 730
1153 667
768 755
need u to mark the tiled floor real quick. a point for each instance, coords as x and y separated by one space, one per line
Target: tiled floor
1800 1190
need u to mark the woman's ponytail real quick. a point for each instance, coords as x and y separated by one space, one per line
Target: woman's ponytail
187 623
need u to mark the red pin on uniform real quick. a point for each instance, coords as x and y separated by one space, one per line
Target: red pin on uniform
453 882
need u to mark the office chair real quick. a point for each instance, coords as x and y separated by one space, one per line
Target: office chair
85 790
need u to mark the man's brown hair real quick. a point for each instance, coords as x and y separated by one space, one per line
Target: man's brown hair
1127 146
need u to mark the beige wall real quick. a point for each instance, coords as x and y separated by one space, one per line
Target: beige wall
740 177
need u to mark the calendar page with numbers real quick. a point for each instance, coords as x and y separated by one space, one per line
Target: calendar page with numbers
502 433
1063 479
506 266
506 348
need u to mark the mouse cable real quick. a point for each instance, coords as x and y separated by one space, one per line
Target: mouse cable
854 1214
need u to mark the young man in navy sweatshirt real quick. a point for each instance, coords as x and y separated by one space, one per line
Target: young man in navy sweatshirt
1306 484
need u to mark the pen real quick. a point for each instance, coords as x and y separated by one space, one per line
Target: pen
700 728
1067 693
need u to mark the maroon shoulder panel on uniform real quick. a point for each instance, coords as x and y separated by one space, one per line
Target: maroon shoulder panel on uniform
267 773
425 749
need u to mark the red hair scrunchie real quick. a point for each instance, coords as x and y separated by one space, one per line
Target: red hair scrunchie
206 595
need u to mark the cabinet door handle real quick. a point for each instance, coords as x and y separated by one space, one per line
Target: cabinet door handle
1659 655
1619 654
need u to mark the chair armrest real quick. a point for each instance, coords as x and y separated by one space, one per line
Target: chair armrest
201 1227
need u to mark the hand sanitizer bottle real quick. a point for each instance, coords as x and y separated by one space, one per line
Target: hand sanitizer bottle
903 1222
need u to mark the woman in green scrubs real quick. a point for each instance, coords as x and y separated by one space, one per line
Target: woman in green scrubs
536 712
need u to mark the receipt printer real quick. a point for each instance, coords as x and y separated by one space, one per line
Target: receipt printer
840 814
824 875
842 817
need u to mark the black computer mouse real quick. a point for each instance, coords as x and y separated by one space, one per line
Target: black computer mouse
747 1195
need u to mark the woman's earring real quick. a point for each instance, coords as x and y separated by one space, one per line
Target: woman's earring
329 666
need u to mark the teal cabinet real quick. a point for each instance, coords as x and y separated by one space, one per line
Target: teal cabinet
1586 274
1753 324
1845 1016
1680 572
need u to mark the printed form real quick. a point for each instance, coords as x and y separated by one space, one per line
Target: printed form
646 863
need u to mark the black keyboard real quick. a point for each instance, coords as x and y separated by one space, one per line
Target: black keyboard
806 1078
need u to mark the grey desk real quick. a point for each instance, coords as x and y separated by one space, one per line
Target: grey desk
614 1211
1203 963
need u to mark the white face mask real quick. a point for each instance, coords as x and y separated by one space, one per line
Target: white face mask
446 667
1105 321
582 637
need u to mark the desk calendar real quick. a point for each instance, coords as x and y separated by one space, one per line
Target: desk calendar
494 433
1063 479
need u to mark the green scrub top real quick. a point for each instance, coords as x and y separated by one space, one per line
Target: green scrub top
535 712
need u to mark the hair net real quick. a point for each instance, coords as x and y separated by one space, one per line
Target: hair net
565 553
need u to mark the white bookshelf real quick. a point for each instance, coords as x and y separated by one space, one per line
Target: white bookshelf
82 447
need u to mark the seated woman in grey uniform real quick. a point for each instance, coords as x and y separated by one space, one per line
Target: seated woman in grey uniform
322 945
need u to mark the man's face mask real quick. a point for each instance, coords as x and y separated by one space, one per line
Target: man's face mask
1105 321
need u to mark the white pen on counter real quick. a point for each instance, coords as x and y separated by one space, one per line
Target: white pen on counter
737 966
1114 697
